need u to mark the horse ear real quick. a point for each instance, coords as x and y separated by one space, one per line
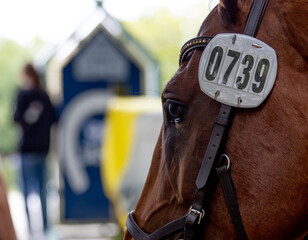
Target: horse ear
228 10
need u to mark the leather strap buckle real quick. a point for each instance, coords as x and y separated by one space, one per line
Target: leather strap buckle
221 161
197 212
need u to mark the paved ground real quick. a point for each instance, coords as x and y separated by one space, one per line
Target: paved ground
56 231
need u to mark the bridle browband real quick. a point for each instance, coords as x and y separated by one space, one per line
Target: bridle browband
213 160
197 42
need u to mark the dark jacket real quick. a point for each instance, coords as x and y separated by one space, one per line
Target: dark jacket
35 114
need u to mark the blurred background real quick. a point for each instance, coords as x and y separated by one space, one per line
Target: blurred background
103 65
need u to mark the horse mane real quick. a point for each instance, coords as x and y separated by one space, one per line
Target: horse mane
296 25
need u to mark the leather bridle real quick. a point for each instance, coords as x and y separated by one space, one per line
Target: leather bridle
214 159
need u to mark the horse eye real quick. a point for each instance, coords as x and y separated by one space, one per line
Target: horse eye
174 111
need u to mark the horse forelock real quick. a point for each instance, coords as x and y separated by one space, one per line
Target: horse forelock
231 11
228 10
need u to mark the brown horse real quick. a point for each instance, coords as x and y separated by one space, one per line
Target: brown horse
268 145
7 231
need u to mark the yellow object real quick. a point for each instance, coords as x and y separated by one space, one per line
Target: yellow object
118 144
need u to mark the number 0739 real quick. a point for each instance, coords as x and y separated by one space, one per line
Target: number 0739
246 70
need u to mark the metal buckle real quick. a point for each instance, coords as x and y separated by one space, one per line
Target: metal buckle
220 162
197 212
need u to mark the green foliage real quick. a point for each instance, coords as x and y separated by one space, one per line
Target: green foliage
163 35
12 57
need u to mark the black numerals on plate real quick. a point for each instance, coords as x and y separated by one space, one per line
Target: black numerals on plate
246 71
235 55
214 63
248 62
261 74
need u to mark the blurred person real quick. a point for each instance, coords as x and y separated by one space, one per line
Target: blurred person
35 115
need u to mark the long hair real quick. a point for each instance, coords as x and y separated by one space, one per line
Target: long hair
31 73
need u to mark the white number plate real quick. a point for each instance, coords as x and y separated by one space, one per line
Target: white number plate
237 70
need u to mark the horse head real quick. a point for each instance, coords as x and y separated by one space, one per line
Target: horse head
268 145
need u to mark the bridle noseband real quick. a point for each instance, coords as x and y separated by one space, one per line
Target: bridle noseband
213 160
